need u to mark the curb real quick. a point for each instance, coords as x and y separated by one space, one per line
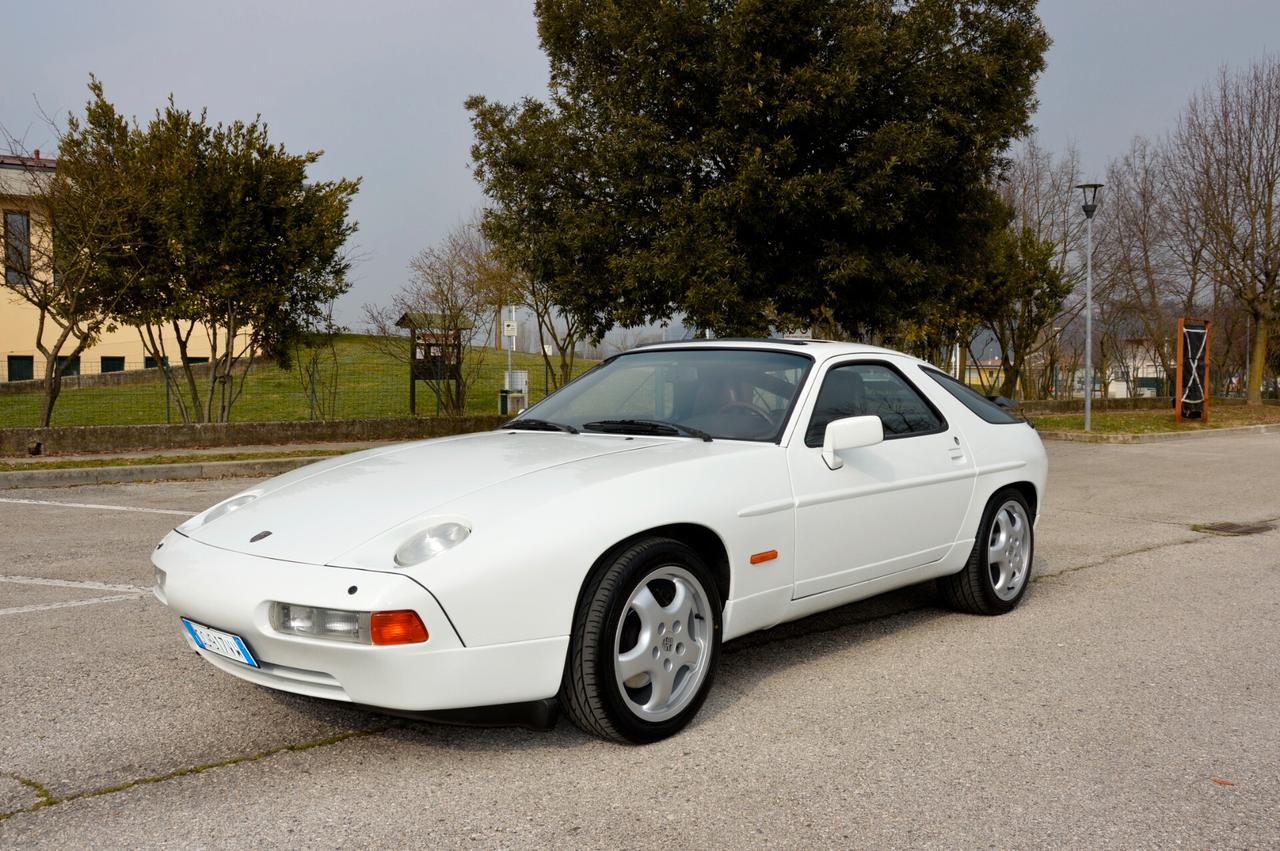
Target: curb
71 476
1156 436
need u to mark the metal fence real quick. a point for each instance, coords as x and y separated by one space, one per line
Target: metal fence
136 393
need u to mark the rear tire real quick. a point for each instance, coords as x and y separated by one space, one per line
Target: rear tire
995 578
645 643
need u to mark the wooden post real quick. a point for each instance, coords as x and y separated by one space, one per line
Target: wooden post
413 384
1177 387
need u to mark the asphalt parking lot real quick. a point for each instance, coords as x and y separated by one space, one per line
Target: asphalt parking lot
1132 701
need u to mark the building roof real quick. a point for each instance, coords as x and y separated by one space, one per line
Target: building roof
22 177
36 162
432 321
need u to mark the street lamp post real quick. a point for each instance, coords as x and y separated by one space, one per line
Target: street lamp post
1090 206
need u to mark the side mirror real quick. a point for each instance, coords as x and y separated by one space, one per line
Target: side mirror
849 433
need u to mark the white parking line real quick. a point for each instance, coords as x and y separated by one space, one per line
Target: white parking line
17 610
74 583
98 506
132 592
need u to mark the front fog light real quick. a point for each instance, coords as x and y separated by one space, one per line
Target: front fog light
157 590
315 622
430 542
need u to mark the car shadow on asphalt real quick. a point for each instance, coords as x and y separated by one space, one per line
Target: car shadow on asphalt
744 663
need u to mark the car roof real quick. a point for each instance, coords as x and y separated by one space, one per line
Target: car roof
819 349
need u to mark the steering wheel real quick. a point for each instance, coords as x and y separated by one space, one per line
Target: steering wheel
748 408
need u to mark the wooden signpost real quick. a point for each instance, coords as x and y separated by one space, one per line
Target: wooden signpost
435 352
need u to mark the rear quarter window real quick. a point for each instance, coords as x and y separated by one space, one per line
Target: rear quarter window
972 399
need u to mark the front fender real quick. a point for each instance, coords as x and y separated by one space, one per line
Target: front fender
534 539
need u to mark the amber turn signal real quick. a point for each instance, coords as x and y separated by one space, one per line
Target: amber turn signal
767 555
401 627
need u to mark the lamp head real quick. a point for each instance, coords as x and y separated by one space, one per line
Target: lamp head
1090 192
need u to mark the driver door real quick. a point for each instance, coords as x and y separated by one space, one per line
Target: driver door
892 506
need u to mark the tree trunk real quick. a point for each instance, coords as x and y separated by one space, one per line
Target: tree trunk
199 412
1258 360
1009 373
52 387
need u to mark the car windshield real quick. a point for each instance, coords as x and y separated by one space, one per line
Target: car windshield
736 394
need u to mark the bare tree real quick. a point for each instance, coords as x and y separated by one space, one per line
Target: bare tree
1035 288
451 294
1226 149
1154 271
557 327
1040 189
314 358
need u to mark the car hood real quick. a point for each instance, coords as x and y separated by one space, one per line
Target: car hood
318 512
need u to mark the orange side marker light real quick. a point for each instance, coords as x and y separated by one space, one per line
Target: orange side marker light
400 627
767 555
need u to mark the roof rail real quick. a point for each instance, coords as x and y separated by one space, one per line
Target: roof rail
786 341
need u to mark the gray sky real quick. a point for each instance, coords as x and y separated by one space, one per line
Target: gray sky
379 85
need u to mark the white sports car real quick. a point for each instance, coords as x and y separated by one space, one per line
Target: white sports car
594 552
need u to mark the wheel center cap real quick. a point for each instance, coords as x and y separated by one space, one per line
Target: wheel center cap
666 644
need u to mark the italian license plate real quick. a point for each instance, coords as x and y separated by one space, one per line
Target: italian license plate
222 643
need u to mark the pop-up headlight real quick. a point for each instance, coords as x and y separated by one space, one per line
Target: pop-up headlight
220 510
430 542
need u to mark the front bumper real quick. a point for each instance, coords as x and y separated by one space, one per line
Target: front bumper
233 591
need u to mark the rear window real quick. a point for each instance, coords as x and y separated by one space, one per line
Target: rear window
972 399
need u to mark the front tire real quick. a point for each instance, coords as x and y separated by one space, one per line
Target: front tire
999 568
645 643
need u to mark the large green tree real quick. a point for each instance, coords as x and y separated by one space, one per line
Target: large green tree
239 246
761 163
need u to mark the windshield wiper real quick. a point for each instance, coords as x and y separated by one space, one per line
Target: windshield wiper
646 427
540 425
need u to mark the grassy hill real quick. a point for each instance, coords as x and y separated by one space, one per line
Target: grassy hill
370 383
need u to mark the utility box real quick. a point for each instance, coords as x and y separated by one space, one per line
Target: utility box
516 381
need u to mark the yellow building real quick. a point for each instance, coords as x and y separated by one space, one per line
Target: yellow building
25 232
984 373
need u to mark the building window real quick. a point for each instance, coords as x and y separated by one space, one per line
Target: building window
21 368
197 360
151 363
17 247
72 365
112 363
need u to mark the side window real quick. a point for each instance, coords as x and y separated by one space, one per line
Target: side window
866 389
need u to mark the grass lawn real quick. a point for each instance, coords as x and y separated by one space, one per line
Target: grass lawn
76 463
1140 422
370 384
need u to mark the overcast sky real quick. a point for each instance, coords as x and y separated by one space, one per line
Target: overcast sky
379 85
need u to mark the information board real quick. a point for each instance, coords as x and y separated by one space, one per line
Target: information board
1192 400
